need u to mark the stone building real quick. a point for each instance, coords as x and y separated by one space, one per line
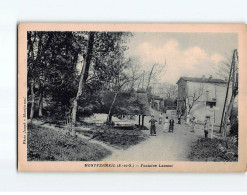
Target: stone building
202 97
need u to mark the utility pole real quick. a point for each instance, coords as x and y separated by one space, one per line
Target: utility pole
212 132
233 95
229 78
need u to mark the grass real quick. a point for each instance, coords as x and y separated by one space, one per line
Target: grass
215 150
118 138
45 144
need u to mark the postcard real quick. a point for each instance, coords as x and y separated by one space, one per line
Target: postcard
95 97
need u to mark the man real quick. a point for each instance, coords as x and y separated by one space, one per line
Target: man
171 125
152 127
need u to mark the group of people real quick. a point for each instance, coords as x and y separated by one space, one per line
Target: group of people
168 124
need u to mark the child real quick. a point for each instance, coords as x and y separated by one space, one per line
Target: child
193 125
166 124
206 128
152 128
160 118
171 125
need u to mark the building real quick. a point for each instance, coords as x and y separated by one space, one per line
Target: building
202 97
157 103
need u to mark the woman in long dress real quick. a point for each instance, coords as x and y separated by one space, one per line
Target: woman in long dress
166 124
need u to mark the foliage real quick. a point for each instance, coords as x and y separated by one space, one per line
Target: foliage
234 122
108 60
54 60
50 145
213 150
126 103
169 102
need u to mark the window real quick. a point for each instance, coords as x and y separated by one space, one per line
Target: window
211 103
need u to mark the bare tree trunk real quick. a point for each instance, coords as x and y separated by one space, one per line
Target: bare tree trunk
75 102
41 104
110 114
138 87
150 76
83 79
32 101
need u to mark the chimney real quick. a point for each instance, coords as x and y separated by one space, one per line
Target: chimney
210 77
203 77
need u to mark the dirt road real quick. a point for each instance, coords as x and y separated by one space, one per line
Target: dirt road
165 146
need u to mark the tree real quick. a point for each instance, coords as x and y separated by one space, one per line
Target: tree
134 73
169 91
52 60
233 76
83 77
37 44
61 67
191 97
152 75
223 69
154 72
101 65
53 63
119 80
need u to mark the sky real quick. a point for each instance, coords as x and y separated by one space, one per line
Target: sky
186 54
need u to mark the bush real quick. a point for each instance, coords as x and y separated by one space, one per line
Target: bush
215 150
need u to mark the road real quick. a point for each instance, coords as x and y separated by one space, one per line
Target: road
165 146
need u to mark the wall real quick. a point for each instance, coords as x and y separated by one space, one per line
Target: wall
215 90
182 88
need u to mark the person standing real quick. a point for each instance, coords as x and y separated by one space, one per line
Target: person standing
152 127
179 116
179 119
160 118
166 124
206 128
193 124
171 125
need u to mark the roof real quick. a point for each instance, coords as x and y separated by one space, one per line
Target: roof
155 97
201 80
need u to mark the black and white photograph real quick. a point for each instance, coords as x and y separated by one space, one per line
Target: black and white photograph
132 96
123 96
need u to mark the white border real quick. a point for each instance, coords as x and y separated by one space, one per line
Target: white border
172 11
